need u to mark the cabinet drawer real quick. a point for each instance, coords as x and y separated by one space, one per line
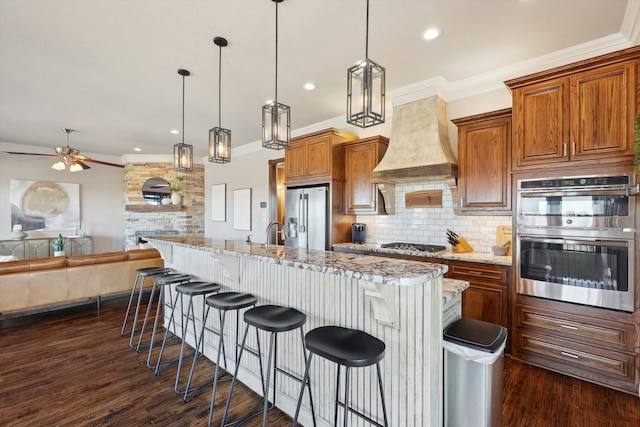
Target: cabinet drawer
485 272
576 359
587 330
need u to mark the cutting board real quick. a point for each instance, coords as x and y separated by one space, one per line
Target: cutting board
503 234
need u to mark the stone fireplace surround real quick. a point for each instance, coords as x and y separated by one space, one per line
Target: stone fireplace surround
140 217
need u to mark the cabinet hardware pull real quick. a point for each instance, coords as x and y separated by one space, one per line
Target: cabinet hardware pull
573 356
477 273
573 148
564 150
461 201
573 328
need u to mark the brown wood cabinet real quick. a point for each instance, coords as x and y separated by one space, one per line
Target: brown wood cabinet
590 343
487 297
360 158
316 158
484 148
579 113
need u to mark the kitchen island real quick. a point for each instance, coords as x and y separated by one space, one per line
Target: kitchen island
398 301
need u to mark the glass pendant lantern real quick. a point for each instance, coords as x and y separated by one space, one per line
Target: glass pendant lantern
276 117
366 90
183 153
219 138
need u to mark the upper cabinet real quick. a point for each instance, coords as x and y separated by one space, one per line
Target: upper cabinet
360 158
484 170
580 113
316 157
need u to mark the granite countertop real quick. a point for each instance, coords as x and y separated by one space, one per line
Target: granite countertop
451 288
483 257
373 269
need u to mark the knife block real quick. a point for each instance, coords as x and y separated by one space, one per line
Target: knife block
462 246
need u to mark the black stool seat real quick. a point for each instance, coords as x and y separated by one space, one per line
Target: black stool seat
169 279
197 288
275 318
152 271
348 347
231 300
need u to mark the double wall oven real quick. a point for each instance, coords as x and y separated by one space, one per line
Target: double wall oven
575 240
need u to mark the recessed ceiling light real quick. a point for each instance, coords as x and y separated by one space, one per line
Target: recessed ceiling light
175 131
309 86
431 33
137 149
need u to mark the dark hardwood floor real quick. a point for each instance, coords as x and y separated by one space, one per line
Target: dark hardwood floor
72 368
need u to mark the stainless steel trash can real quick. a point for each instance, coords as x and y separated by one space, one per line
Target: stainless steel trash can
473 370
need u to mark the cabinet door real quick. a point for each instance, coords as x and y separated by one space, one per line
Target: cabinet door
318 157
602 111
361 195
294 157
541 123
483 301
487 297
485 166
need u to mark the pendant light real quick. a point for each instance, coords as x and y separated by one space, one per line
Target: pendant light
219 138
276 117
183 153
365 90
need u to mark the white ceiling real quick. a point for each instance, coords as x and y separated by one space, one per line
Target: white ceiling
108 68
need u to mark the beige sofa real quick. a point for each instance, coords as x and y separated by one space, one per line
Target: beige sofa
42 282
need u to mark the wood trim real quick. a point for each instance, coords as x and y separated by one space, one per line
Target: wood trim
153 208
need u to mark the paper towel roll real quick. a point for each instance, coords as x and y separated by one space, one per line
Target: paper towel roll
302 239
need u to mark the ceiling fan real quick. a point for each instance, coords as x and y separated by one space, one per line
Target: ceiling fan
69 157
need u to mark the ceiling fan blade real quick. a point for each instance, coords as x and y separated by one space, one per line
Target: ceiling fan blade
100 162
82 164
30 154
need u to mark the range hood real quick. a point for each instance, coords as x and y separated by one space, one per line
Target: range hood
419 144
418 149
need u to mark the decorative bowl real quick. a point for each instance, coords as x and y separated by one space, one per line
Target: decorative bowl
18 235
500 250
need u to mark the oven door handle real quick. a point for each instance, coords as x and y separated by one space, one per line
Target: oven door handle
570 241
590 192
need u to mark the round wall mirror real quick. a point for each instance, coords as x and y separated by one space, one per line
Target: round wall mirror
154 190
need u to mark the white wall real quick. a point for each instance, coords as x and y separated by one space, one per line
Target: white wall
249 168
101 195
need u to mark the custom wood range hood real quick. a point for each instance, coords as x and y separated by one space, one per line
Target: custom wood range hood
418 149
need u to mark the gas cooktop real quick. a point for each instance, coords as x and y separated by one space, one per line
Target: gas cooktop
413 247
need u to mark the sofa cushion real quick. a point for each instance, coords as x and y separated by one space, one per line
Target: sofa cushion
15 266
143 254
47 263
77 260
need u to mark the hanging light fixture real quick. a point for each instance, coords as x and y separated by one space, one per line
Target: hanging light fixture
68 156
183 153
365 90
276 118
219 138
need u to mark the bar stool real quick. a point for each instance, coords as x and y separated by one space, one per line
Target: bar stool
160 282
223 302
346 347
191 289
274 319
141 275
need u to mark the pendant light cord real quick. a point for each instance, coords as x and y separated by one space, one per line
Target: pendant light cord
366 43
276 99
183 109
220 88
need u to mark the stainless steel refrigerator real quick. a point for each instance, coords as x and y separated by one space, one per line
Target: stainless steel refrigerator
307 217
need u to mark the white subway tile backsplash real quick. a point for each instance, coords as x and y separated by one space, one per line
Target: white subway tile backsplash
429 225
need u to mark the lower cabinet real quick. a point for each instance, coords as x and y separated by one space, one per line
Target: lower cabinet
487 297
589 343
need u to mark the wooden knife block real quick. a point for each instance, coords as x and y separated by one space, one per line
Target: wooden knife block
462 246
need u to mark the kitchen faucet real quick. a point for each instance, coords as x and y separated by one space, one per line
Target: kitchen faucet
268 230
